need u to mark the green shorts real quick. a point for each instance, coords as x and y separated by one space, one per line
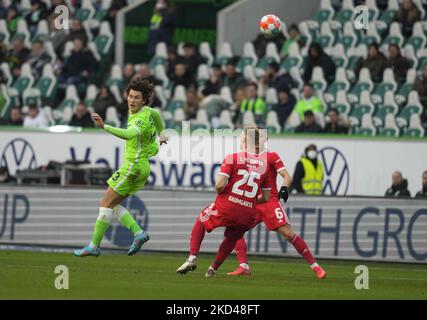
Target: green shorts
130 178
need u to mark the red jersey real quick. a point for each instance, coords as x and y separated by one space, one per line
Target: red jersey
247 174
275 165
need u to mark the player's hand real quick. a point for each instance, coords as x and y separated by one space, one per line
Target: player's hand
98 120
284 193
163 139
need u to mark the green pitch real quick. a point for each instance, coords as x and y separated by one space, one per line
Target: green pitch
30 275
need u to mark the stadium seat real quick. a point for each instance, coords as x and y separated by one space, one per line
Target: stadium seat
340 83
4 33
47 82
373 10
4 67
160 94
271 55
394 37
248 118
365 106
68 47
339 56
179 115
271 97
249 73
326 37
225 120
47 110
64 112
202 74
48 46
206 53
116 76
319 119
318 79
294 58
341 103
160 74
117 93
179 93
226 94
420 6
409 52
363 84
325 12
388 15
372 35
367 127
296 76
418 39
354 55
86 11
348 39
404 90
91 93
42 32
272 122
23 32
160 55
346 12
390 128
111 117
224 53
422 59
387 85
415 128
249 57
202 120
101 13
306 35
7 104
104 40
31 96
389 106
293 121
25 80
413 106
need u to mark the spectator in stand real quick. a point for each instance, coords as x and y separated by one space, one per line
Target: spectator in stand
399 186
422 194
191 57
333 125
38 58
253 102
35 118
171 61
15 117
3 11
12 19
128 73
38 12
181 76
213 85
420 85
232 78
309 125
284 106
318 58
17 56
103 100
145 74
398 63
376 62
294 36
407 15
81 117
308 102
77 32
238 98
191 106
79 65
271 78
162 25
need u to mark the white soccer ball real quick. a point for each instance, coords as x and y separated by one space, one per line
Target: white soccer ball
270 25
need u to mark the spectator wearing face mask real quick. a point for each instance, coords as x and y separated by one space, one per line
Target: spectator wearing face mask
308 175
422 194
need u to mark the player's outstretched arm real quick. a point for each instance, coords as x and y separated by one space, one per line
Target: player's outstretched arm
126 134
159 124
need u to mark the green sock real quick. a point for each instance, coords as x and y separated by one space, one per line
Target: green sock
129 222
99 230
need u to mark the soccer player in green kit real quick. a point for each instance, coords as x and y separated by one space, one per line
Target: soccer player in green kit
144 123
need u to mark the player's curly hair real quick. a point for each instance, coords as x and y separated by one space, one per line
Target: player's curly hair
142 85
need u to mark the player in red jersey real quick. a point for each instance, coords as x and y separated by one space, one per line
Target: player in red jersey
274 217
239 180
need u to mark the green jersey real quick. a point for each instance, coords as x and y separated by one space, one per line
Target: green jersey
140 135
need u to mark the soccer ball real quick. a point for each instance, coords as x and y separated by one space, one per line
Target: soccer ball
270 25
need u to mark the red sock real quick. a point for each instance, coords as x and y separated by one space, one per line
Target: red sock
224 250
302 248
241 250
197 235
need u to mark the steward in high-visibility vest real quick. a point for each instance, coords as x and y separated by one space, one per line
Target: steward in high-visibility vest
308 176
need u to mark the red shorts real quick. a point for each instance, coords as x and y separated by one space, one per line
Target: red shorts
236 223
272 214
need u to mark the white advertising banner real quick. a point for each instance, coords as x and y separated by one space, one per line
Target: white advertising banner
352 166
376 229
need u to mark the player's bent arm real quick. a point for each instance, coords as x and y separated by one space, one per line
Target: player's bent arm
287 179
221 182
157 120
125 134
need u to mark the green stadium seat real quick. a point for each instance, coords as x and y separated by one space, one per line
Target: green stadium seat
348 38
408 132
389 106
25 80
395 36
413 106
363 84
47 83
364 107
32 96
388 132
387 85
341 103
325 13
418 39
340 83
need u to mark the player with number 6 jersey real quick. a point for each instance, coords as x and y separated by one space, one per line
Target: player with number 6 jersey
274 217
243 176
